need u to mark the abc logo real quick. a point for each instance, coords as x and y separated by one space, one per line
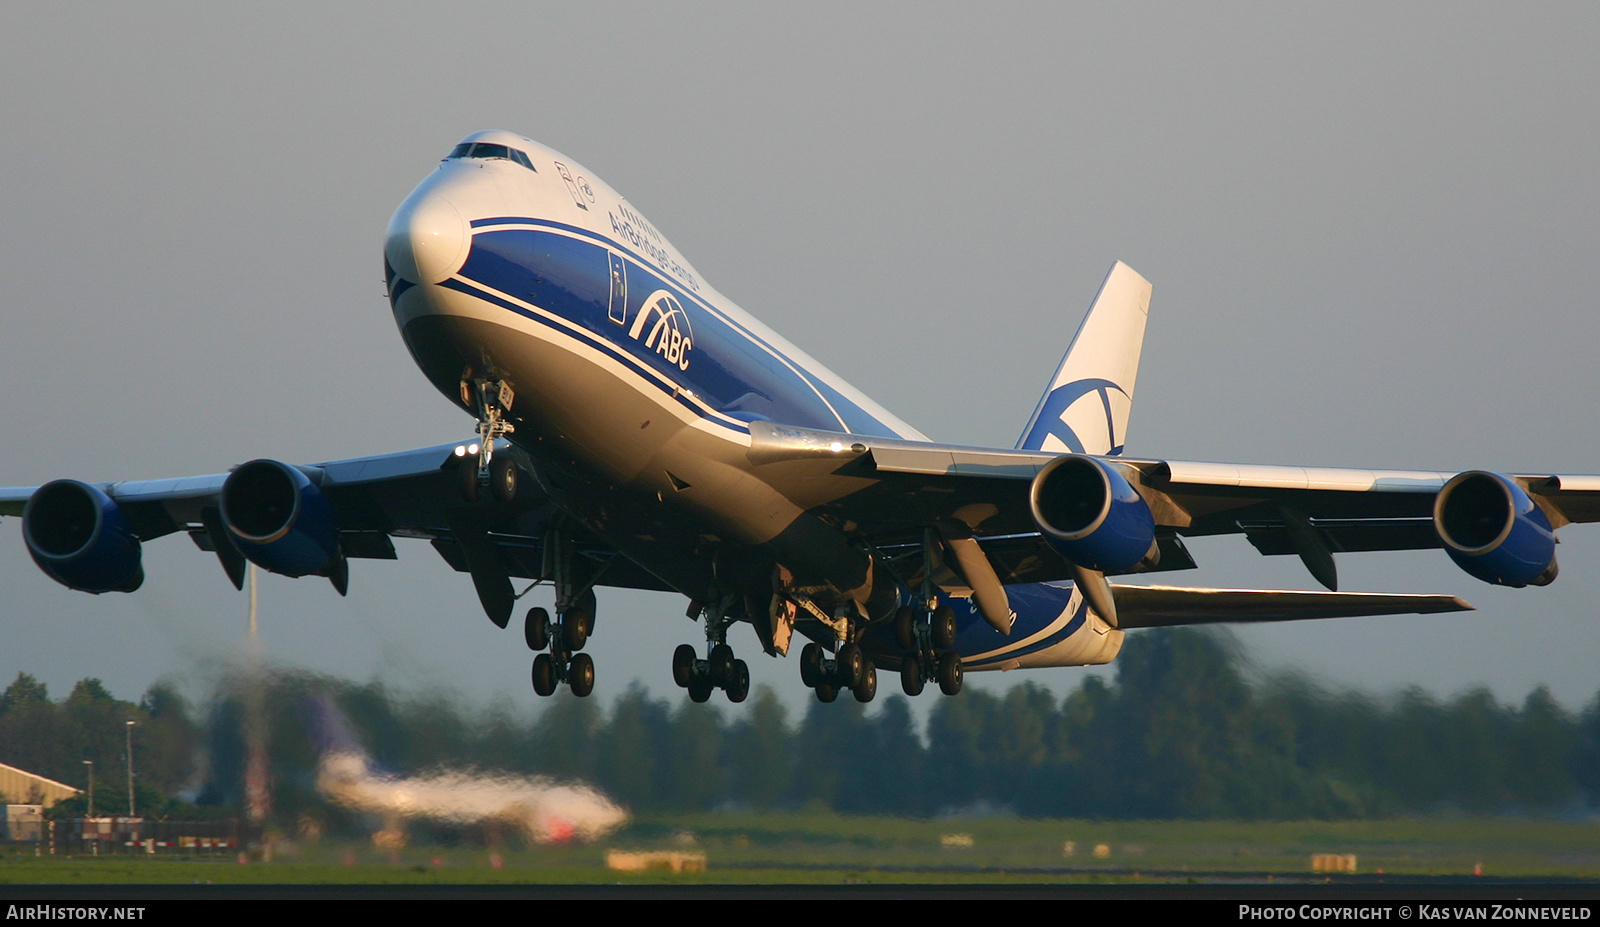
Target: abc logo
664 327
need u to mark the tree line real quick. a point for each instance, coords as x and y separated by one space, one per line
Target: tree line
1183 731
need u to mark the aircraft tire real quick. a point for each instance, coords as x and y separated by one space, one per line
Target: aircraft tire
536 629
575 629
811 664
950 672
699 689
944 627
503 479
683 665
738 687
826 692
580 675
911 675
851 664
868 686
544 675
721 664
905 627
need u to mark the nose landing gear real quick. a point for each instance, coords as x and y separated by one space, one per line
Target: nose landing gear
491 400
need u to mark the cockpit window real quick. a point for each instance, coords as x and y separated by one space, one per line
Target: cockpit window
483 150
489 151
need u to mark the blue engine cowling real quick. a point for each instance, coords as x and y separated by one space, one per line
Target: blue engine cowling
1491 529
1089 513
82 539
279 520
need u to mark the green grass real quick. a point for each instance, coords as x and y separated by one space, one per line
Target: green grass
831 849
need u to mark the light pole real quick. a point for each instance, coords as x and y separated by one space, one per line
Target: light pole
130 770
90 764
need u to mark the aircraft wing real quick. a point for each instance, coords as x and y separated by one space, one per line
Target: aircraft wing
906 487
411 494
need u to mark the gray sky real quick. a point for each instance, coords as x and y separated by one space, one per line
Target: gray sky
1371 231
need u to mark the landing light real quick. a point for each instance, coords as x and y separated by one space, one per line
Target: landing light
472 449
461 450
836 447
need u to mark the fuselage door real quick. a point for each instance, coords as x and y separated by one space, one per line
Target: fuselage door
619 289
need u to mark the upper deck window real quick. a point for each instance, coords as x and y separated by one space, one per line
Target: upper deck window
488 150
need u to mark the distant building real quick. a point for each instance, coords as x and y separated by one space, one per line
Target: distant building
17 785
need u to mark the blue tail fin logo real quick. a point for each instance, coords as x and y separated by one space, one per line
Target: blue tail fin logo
1092 389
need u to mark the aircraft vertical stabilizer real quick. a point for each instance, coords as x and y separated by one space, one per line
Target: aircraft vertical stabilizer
1085 410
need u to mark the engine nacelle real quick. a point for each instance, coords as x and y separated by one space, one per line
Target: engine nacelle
82 539
1089 513
279 520
1491 529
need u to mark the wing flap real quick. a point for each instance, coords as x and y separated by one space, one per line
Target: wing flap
1346 535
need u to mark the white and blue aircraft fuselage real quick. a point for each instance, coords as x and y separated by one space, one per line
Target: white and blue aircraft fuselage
636 428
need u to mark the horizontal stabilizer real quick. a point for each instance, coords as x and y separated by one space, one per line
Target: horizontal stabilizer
1171 606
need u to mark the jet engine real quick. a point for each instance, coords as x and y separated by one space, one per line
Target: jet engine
1089 513
280 521
1491 529
81 538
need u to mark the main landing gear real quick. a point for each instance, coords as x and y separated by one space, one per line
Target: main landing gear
561 663
719 670
848 668
928 638
565 636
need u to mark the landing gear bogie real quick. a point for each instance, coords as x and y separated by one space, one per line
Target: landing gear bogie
927 640
550 670
701 677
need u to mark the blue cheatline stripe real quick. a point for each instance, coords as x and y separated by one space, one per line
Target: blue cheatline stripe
704 412
828 392
1079 617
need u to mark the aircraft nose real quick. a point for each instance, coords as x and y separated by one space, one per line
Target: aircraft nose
427 239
